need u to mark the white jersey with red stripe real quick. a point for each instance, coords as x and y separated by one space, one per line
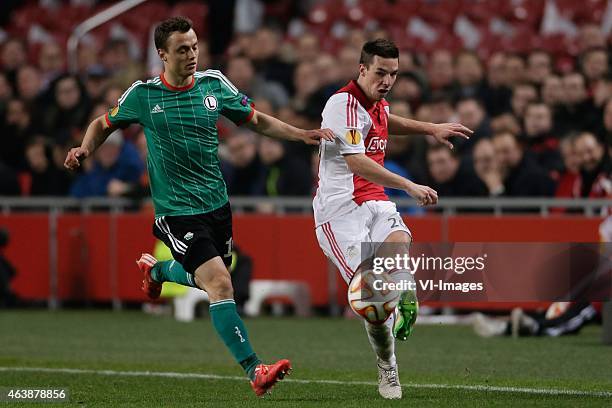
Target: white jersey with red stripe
360 126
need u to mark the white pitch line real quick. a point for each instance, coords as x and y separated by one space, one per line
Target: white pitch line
483 388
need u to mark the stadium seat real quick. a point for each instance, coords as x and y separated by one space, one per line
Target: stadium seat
184 306
263 289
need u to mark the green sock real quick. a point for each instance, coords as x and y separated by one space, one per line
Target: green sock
172 271
232 331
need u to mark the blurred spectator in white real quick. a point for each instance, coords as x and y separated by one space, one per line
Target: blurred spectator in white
487 167
595 172
241 72
540 138
522 175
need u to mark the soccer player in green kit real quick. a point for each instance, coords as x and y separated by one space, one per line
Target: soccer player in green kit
179 111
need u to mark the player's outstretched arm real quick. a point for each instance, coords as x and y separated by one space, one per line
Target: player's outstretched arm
441 132
96 134
367 168
272 127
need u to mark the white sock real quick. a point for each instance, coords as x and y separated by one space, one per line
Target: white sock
382 340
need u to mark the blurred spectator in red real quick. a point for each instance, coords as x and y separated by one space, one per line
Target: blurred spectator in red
539 66
522 175
241 72
595 171
487 168
46 178
571 164
540 137
471 113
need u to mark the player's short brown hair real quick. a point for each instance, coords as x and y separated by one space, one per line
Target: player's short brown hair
165 29
382 47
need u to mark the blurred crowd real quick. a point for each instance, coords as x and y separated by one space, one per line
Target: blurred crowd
542 126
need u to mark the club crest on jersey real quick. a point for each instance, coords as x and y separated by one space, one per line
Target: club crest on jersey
114 111
353 136
210 102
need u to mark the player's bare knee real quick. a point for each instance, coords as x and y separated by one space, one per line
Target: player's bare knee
400 237
220 287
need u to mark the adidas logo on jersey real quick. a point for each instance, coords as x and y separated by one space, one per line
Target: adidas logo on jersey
156 109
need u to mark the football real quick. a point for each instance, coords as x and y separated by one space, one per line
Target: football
375 306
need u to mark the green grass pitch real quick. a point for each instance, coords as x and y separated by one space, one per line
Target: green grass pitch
439 366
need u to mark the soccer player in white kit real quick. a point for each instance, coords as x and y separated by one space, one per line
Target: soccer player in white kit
351 207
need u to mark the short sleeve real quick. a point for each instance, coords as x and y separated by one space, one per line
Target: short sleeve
348 120
235 105
127 110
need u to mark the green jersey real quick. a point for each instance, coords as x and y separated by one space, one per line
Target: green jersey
182 139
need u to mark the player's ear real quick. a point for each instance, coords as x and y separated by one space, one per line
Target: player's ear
162 54
362 69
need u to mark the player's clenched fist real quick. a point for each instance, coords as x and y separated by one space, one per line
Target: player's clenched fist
422 194
74 157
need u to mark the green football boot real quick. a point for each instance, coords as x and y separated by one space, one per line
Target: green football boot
407 311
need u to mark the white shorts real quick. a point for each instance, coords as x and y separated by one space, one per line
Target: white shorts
341 238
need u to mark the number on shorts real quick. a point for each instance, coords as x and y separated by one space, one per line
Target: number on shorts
229 248
396 222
